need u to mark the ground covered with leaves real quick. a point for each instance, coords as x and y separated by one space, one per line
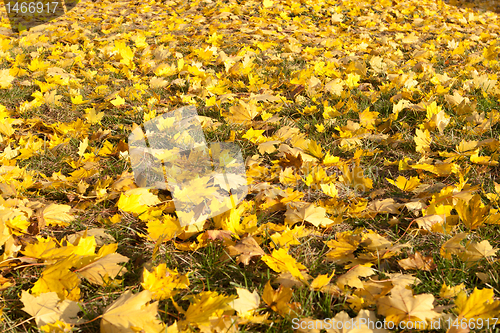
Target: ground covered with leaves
370 132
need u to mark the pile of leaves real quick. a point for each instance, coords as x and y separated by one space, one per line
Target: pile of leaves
370 131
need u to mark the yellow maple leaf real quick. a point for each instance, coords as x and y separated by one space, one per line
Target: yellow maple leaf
423 140
131 204
51 98
289 236
131 313
280 261
37 64
93 117
328 159
163 282
470 252
417 261
56 327
383 206
146 197
83 146
409 39
336 88
237 225
307 212
60 279
440 169
473 212
5 79
99 234
316 177
165 228
6 128
247 248
320 281
403 306
104 266
47 308
84 246
432 109
401 105
483 160
205 305
278 300
451 291
329 189
460 49
18 225
254 136
441 120
315 149
377 64
352 80
480 304
46 249
491 52
343 247
405 184
243 112
246 304
351 278
78 99
289 177
320 128
55 214
268 147
267 3
474 251
157 82
115 219
118 101
4 284
126 53
453 246
195 245
165 70
367 119
355 178
140 41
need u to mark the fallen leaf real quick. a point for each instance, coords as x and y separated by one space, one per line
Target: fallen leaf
55 214
130 313
417 261
480 304
403 306
247 249
246 304
309 213
278 300
47 308
103 269
280 261
204 305
351 278
163 282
